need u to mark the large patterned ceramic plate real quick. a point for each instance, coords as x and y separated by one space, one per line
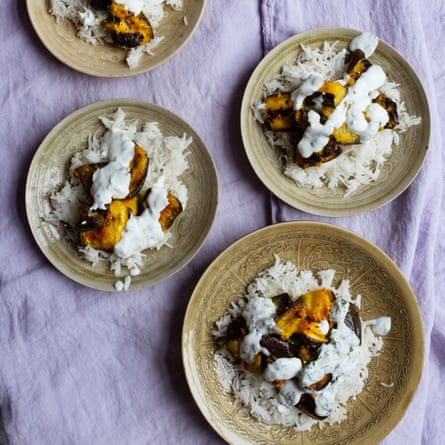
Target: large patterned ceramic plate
311 246
399 170
48 169
60 39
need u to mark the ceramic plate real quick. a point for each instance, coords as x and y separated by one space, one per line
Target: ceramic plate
106 60
399 170
311 246
48 168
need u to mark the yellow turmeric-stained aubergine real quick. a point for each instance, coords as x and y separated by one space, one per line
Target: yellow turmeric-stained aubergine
170 212
330 151
126 29
358 64
305 315
391 107
138 172
279 112
106 236
332 94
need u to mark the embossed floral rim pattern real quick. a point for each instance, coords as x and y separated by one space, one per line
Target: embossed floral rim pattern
393 375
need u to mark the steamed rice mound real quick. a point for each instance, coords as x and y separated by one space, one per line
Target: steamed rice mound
260 398
359 164
167 158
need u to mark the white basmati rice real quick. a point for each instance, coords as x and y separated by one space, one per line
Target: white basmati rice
359 164
88 23
167 158
250 390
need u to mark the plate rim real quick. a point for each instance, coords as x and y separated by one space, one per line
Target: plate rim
116 103
246 113
124 71
386 261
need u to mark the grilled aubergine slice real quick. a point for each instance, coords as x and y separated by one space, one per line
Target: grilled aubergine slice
281 116
126 29
138 172
105 232
169 213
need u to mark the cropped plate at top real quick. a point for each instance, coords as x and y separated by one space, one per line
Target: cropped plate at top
393 375
106 60
399 170
48 170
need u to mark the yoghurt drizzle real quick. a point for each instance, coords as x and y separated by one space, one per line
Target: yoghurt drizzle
345 357
361 163
362 116
115 148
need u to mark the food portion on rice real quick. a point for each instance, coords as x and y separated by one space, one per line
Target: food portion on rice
123 193
294 349
128 24
334 115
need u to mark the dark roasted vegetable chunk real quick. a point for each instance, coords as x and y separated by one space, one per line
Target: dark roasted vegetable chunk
100 4
127 30
391 107
138 172
353 322
330 151
358 64
279 112
107 235
307 405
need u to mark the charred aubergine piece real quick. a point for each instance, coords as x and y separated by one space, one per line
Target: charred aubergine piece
126 29
138 172
105 232
280 114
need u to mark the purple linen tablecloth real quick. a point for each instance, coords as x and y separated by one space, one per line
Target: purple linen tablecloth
79 366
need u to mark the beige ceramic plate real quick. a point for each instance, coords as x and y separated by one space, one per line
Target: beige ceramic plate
106 60
49 165
399 170
311 246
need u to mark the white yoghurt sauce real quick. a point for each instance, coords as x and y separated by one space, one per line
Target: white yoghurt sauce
87 17
365 117
381 325
366 42
361 115
113 180
284 368
309 85
338 357
335 357
258 314
317 134
290 393
144 231
135 6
